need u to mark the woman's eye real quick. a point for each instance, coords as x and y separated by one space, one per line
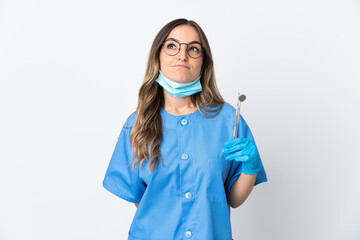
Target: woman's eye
194 49
171 46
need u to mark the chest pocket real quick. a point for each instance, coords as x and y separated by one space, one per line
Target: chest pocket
217 170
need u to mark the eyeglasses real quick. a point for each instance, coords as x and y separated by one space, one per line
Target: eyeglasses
172 47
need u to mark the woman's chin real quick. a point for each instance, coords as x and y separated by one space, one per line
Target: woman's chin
180 78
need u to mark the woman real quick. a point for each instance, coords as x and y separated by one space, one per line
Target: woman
182 120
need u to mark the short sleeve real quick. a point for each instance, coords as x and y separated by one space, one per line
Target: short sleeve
120 178
236 166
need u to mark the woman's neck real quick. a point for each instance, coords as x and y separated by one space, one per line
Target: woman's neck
178 106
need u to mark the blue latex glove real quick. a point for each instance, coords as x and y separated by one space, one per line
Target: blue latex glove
245 151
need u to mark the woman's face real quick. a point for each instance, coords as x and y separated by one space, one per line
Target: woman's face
181 67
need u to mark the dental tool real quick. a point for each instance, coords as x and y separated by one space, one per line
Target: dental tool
240 99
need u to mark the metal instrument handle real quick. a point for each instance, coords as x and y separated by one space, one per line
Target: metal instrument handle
240 99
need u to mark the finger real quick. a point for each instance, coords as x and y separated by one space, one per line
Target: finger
233 155
240 146
232 149
231 142
242 158
245 152
245 142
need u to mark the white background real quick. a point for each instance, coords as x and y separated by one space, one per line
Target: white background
70 73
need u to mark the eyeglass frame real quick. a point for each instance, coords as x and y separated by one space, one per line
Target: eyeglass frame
187 47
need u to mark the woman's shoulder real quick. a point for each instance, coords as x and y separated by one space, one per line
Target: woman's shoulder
130 121
228 111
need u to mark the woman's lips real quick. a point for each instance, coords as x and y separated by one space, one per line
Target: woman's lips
183 66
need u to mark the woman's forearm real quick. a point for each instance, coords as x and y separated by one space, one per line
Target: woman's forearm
241 189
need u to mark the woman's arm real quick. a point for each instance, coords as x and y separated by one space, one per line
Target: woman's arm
241 189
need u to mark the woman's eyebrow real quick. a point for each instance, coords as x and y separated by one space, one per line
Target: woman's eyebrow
179 41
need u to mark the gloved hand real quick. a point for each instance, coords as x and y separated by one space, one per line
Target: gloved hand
243 150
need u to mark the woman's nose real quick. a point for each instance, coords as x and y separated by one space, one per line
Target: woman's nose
183 54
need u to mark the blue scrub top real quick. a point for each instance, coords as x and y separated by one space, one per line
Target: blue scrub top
187 197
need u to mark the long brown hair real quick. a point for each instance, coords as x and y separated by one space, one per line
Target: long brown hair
146 135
